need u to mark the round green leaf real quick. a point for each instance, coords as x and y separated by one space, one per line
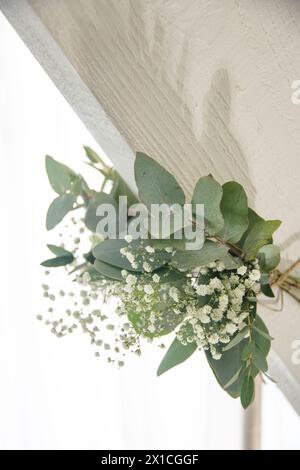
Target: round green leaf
155 184
234 207
58 209
269 257
210 251
209 193
91 219
60 176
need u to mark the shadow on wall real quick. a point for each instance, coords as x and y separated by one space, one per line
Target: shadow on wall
218 151
217 142
140 68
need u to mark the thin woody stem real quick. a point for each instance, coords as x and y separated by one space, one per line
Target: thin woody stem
237 251
285 275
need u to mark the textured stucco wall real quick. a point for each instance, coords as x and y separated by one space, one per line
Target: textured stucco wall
203 86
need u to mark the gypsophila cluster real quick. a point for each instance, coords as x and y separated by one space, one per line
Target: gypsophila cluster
154 308
207 306
221 308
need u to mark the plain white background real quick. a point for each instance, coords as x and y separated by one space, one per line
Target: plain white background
55 394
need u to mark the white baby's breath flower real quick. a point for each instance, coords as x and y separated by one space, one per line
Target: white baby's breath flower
217 315
225 339
242 270
206 309
124 273
169 249
146 267
148 289
220 266
223 301
215 283
131 280
203 271
203 317
212 265
231 328
128 238
254 275
213 338
150 249
130 257
234 279
123 251
173 293
86 277
128 288
202 290
217 356
155 278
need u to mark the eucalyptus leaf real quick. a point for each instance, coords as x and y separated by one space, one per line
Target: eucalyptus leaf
263 342
210 252
259 235
108 271
176 354
248 350
60 176
109 252
253 219
58 209
260 361
269 257
262 333
93 156
267 290
121 188
234 207
209 193
169 275
59 250
237 339
91 218
247 391
59 261
155 184
233 379
227 367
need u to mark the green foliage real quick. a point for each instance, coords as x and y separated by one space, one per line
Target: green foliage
258 236
93 156
234 234
176 354
229 366
108 271
247 391
237 339
210 251
269 257
209 192
91 219
155 184
60 176
58 209
109 252
63 257
234 207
